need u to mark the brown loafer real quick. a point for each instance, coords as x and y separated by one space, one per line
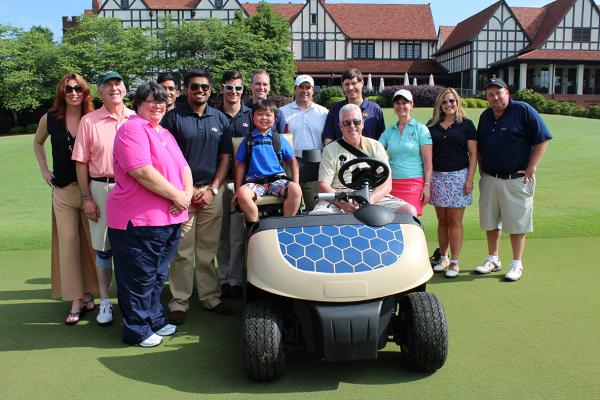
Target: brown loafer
177 317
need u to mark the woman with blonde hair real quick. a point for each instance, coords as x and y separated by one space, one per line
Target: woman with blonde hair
454 158
73 272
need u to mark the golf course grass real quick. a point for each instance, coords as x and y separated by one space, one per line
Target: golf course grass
538 338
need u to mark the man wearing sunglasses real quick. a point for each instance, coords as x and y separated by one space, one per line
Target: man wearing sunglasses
305 119
93 150
352 84
231 245
335 154
204 136
169 83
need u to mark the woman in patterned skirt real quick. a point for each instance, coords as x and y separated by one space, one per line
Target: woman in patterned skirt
454 140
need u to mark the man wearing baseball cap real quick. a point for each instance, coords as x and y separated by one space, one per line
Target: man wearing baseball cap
305 120
93 151
511 140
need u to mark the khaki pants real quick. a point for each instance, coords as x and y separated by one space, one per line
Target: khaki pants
199 241
73 271
98 230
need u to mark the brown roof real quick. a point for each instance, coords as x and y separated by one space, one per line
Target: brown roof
554 12
466 30
530 18
444 33
288 11
384 21
171 4
378 67
570 55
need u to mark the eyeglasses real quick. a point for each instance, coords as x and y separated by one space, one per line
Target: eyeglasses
195 86
232 87
349 122
76 88
158 103
449 101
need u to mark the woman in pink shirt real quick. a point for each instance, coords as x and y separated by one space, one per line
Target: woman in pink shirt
144 214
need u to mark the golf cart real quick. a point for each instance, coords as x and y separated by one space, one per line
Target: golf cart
341 285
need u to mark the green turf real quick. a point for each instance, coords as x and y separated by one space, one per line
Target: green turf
535 339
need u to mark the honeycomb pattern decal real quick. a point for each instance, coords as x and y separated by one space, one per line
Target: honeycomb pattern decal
344 249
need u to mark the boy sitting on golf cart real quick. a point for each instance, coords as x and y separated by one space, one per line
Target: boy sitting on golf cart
258 169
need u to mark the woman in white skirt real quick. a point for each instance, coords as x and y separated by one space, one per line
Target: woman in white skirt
454 139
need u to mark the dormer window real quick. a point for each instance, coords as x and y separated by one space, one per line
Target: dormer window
218 4
124 4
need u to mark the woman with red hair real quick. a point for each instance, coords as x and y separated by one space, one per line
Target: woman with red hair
73 273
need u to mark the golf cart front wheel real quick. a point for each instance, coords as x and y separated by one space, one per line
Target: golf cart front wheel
262 341
423 332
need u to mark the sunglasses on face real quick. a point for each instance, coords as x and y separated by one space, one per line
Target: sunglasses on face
232 87
355 122
76 88
449 101
195 86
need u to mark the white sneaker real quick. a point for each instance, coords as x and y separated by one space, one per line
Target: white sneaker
442 264
152 341
514 273
105 315
453 270
489 266
166 330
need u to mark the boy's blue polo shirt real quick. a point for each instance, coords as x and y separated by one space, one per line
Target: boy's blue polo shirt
264 160
505 145
371 113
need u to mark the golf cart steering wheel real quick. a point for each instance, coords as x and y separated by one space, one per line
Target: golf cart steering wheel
374 174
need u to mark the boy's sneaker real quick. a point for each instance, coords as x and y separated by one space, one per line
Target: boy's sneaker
152 341
166 330
489 266
453 270
442 264
514 273
105 315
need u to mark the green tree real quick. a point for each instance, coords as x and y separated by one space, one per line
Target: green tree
98 44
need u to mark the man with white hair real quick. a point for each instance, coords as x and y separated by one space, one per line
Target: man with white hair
305 120
335 154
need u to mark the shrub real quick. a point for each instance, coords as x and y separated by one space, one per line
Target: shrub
324 95
332 100
381 100
29 128
593 112
423 95
280 100
534 99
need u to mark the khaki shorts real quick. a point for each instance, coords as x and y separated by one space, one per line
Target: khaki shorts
98 231
506 204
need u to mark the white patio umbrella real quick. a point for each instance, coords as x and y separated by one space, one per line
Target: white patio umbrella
431 80
414 81
406 81
381 85
369 84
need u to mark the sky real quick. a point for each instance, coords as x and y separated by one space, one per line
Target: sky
48 13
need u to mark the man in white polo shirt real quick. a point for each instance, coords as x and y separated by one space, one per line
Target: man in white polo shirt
305 120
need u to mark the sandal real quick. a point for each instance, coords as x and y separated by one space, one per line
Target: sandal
88 305
72 318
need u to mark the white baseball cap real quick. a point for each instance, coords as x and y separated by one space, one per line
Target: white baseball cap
300 79
402 93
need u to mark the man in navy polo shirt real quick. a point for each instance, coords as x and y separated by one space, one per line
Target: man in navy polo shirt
231 245
512 138
352 84
204 135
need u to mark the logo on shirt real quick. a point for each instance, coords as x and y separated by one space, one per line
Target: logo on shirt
214 129
245 124
365 115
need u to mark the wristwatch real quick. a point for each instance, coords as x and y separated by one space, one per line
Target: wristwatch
214 191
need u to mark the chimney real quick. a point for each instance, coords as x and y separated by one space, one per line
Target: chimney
96 4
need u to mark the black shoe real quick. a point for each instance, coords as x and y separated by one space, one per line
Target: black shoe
435 257
222 309
237 292
225 290
177 317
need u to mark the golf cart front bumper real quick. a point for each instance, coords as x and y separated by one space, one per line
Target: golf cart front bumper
348 331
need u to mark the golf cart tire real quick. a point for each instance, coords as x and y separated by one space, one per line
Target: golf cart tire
262 341
424 332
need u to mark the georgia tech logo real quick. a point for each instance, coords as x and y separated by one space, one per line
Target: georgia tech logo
365 115
245 125
214 129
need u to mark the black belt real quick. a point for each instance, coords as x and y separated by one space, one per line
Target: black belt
508 176
105 179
